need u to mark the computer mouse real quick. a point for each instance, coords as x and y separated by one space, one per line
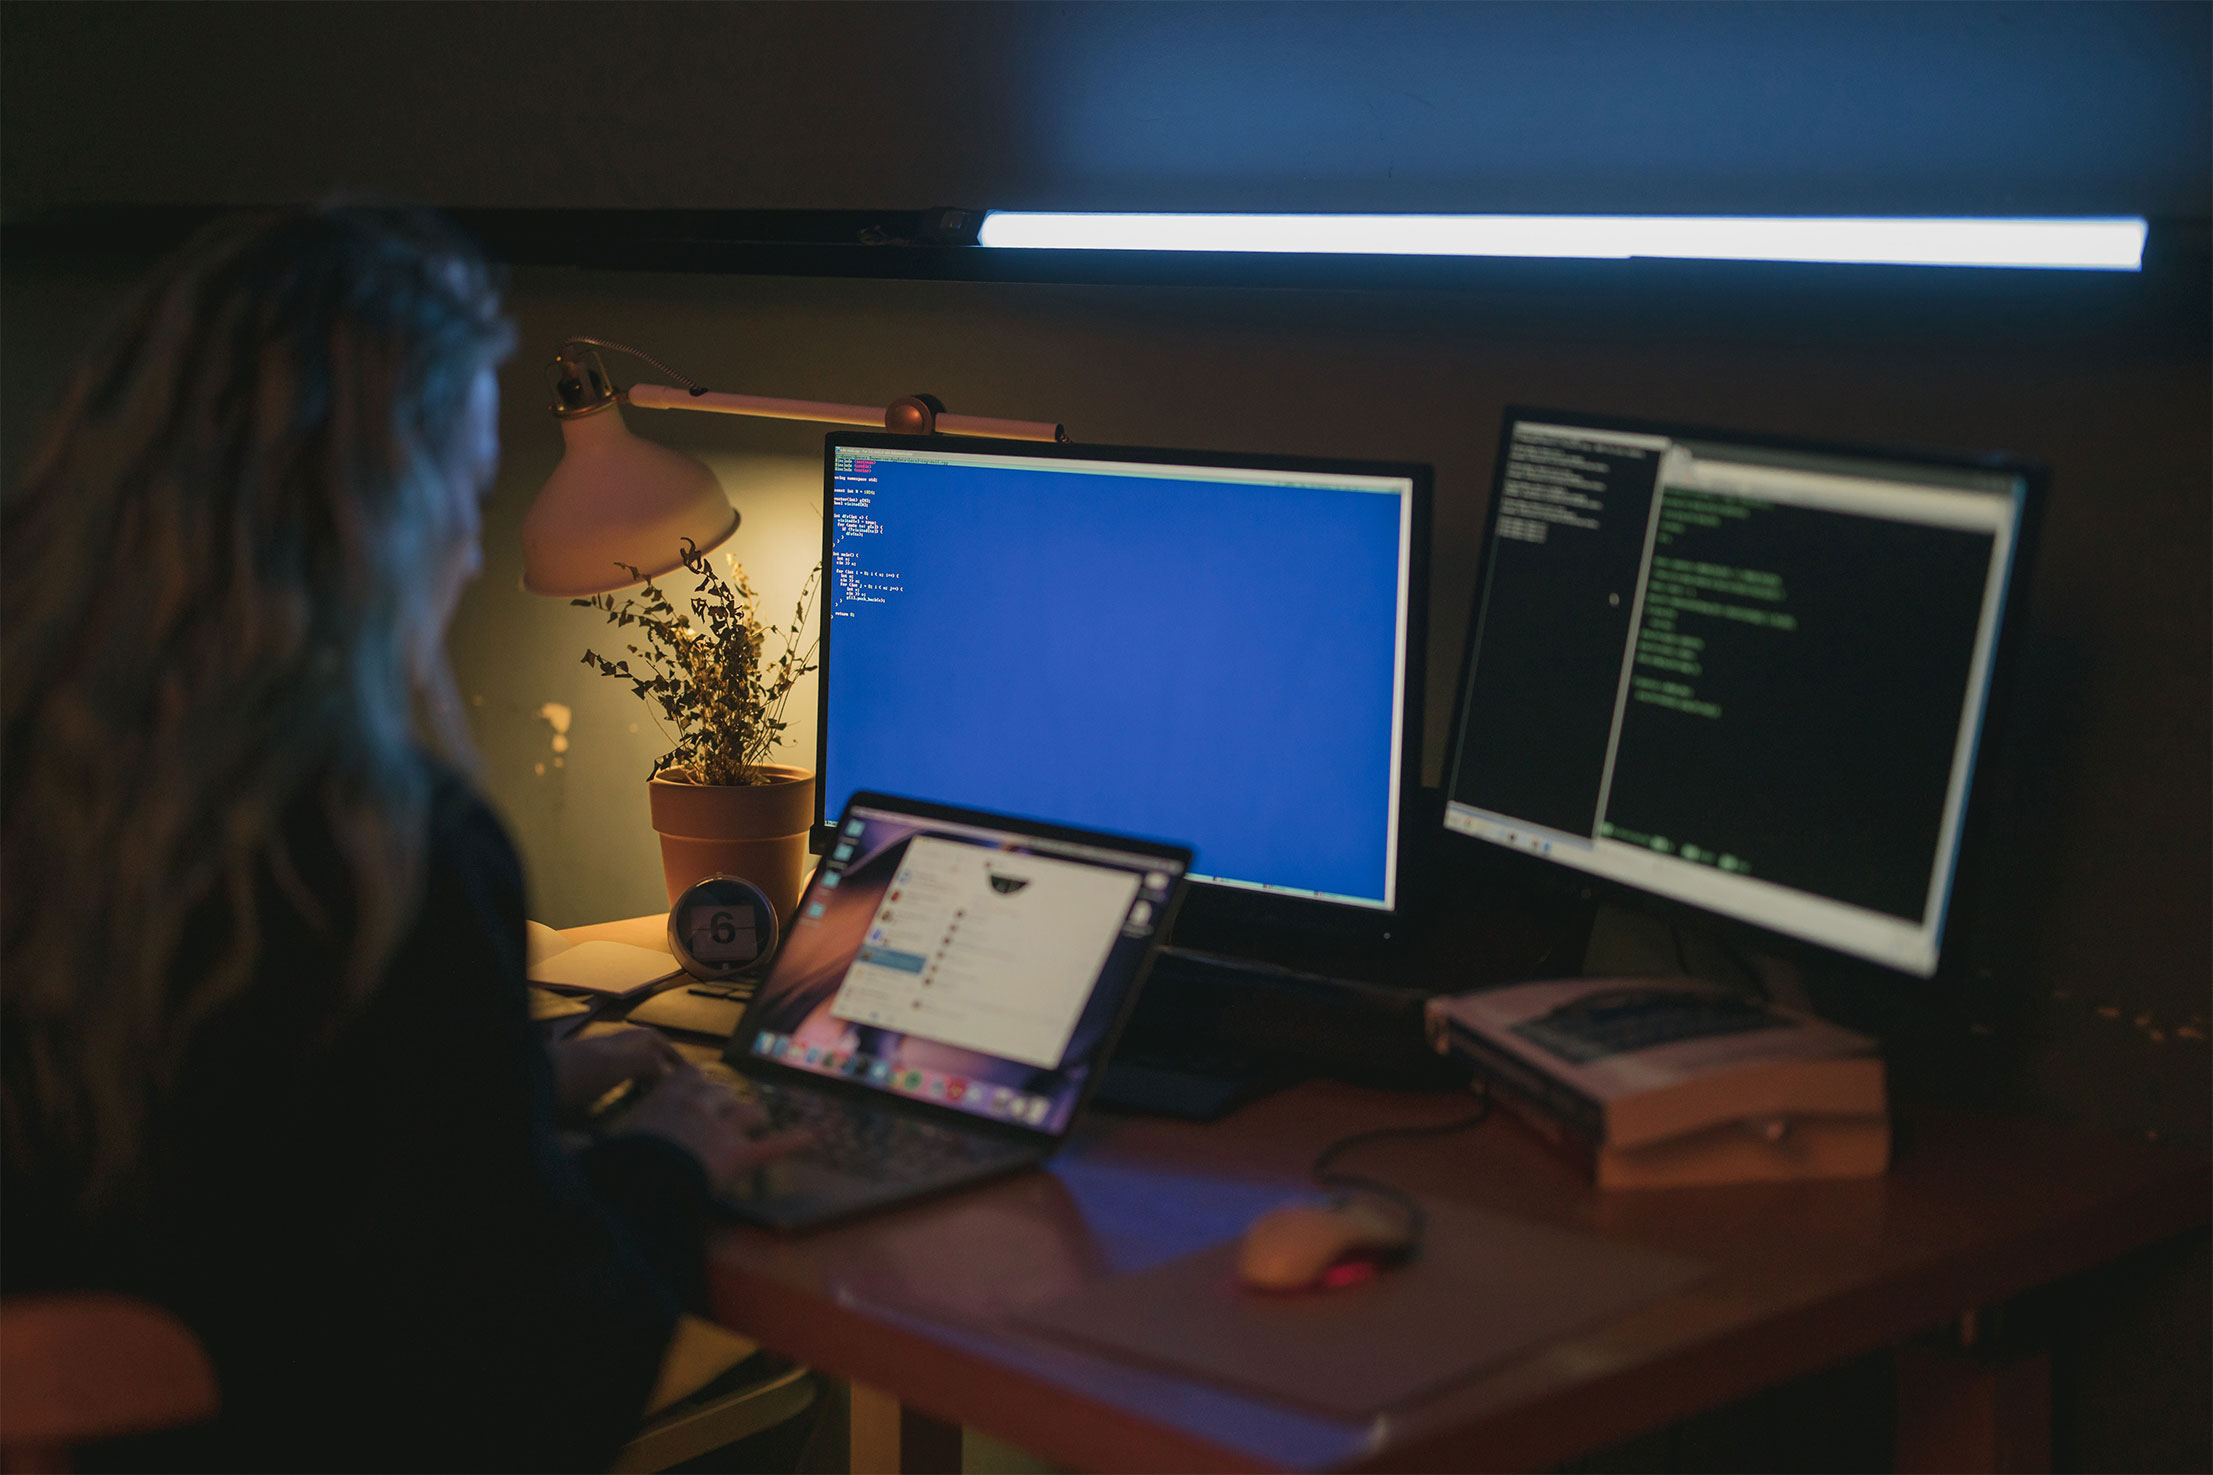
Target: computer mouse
1309 1246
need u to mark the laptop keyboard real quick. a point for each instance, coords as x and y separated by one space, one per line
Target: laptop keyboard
868 1143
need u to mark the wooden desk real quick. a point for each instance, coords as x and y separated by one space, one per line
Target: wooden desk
1978 1209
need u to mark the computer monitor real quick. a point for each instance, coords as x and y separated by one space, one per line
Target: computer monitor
1222 651
1744 674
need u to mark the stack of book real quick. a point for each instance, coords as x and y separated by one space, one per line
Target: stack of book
1671 1082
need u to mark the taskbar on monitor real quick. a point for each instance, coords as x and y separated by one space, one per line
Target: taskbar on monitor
1894 942
1298 893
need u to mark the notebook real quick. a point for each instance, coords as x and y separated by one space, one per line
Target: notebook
604 968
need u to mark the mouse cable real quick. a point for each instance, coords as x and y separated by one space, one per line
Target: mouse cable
1326 1175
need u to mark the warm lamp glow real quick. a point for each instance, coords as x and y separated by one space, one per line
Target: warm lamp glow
616 499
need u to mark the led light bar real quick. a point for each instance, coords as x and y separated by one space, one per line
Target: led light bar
2110 244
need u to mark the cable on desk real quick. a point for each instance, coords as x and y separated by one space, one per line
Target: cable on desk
597 1009
1327 1176
603 1006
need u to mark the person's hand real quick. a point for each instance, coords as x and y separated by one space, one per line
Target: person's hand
706 1119
585 1070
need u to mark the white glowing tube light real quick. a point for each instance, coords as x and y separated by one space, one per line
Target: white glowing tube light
2110 244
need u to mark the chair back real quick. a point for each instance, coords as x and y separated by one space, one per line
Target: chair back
79 1368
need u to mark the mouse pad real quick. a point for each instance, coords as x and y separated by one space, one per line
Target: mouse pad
1484 1288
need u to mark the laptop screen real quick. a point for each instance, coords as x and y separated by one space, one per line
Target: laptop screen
974 964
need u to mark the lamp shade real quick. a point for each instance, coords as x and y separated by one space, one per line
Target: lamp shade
616 499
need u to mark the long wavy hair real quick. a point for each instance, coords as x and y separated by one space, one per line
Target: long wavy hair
220 605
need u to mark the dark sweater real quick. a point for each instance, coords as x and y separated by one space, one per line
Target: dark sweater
392 1261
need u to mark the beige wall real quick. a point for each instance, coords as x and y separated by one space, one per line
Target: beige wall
2101 852
2099 892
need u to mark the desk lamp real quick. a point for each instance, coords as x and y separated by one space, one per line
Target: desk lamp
618 500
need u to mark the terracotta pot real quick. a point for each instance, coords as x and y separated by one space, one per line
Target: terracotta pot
757 831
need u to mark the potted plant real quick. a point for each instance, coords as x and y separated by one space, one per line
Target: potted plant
718 803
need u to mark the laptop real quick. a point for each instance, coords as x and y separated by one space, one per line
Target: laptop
943 1003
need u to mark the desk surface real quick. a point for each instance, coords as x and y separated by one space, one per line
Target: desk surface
1978 1208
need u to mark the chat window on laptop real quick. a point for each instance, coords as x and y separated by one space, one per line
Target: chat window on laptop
971 968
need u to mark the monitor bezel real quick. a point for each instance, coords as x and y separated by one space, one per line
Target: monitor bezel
1209 906
1572 890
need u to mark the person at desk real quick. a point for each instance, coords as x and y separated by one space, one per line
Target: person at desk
267 1056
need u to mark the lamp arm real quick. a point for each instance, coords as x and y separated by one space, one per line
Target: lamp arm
663 397
583 387
994 429
913 415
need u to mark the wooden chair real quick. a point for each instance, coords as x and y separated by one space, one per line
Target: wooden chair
79 1368
76 1369
695 1408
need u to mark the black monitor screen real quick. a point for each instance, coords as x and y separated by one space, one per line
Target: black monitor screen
1199 648
1747 677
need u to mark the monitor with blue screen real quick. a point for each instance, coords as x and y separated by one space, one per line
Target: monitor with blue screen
1223 651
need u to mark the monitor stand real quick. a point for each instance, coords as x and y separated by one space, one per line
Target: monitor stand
1137 1089
1186 1053
1213 1031
1233 1011
1628 942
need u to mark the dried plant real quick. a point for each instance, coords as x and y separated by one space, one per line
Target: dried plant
706 673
